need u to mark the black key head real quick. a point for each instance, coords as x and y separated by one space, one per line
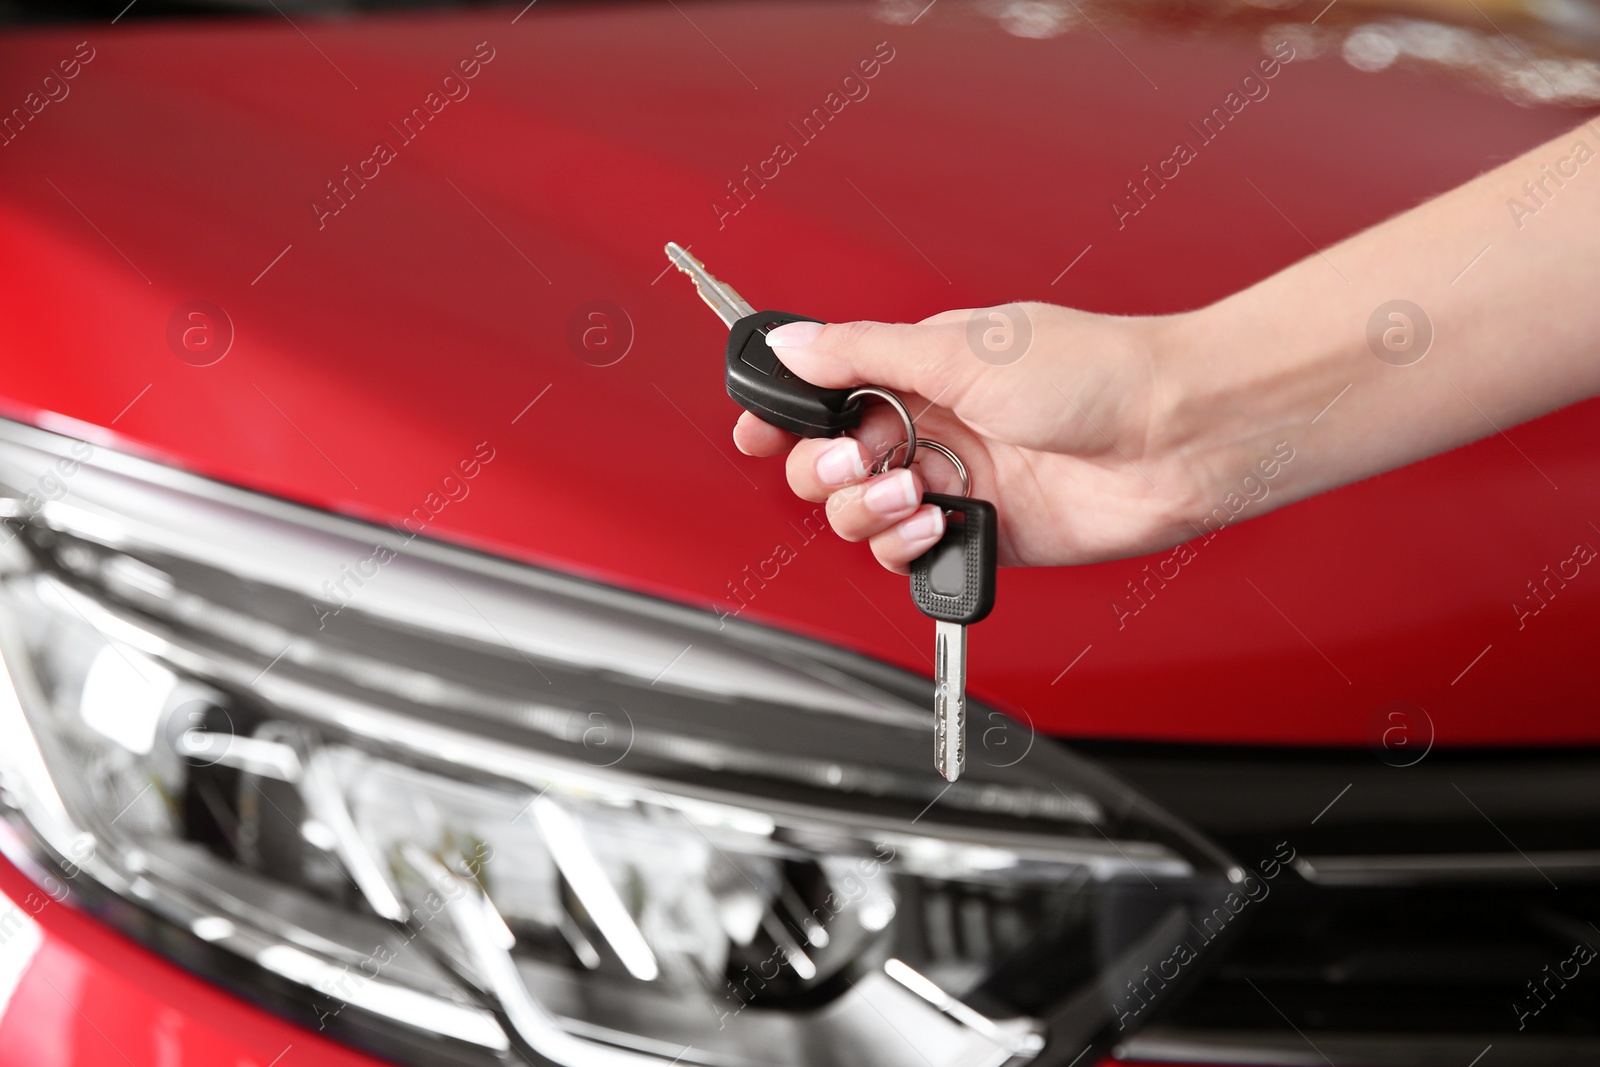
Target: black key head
954 580
760 383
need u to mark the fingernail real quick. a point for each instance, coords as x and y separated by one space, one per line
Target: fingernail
841 464
794 334
925 525
892 494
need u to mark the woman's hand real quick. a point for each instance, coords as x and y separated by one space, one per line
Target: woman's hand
1066 440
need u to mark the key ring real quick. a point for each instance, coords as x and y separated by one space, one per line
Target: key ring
905 417
943 450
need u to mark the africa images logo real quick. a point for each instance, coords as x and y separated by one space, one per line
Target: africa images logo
1252 89
455 89
852 88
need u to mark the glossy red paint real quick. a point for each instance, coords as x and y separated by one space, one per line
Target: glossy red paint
374 351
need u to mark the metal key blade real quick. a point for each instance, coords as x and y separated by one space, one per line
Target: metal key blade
718 295
953 583
949 698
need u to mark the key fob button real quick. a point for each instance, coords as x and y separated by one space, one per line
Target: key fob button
757 356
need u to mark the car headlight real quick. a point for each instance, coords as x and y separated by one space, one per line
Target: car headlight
444 804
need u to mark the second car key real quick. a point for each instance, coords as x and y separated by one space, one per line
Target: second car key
756 379
953 583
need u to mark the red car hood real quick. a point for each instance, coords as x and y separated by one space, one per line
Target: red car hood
376 347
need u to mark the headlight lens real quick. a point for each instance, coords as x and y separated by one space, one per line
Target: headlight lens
441 803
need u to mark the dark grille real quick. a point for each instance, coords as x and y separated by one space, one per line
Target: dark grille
1431 911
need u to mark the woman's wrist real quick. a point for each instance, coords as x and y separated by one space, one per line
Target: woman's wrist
1240 386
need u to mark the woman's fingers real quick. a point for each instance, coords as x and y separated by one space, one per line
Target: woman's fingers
756 438
819 467
881 427
909 538
885 509
866 510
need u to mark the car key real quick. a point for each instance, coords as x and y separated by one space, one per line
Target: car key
953 583
756 378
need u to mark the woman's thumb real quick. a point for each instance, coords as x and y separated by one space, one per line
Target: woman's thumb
931 358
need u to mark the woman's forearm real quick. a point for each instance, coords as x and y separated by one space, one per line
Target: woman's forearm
1503 273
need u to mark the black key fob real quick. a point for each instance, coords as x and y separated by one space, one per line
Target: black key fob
759 382
954 580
